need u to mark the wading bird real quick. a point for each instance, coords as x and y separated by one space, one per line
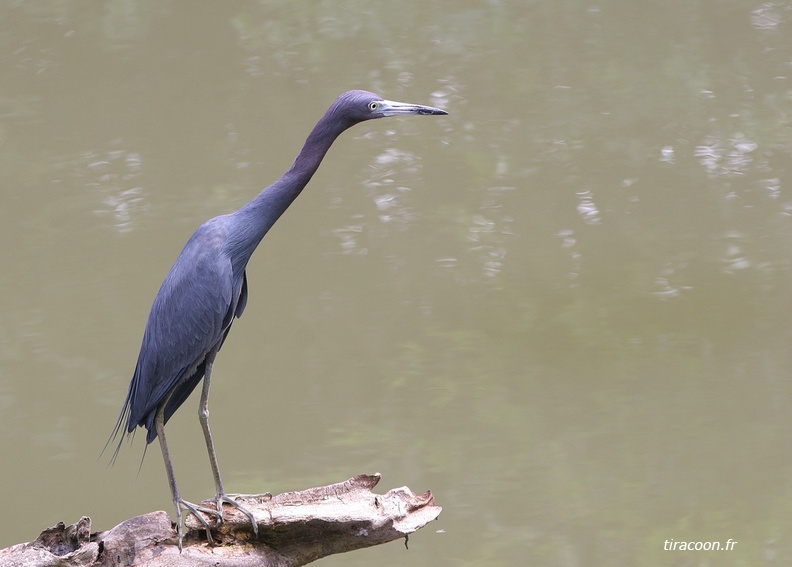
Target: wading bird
206 289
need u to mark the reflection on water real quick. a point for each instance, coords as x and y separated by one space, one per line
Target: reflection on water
564 308
730 159
587 208
116 172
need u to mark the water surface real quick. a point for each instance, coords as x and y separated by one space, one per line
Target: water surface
565 308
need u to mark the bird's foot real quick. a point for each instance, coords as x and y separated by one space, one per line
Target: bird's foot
222 497
197 511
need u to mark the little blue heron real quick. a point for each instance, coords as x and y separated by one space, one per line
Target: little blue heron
206 289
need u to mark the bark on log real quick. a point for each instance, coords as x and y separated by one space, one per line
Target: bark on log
295 528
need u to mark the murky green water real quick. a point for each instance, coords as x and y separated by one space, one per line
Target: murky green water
565 308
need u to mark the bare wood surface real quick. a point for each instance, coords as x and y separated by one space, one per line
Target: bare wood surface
295 528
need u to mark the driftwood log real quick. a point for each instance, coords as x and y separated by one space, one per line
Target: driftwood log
295 528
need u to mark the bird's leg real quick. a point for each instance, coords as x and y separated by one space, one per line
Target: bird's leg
203 417
178 501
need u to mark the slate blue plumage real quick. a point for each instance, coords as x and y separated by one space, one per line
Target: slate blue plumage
206 289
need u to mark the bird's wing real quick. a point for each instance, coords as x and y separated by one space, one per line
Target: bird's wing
189 318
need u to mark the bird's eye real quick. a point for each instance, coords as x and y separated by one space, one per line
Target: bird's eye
373 106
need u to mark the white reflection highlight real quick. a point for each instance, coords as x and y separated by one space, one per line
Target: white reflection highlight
667 154
111 173
772 186
730 158
735 257
488 236
766 17
587 209
349 236
666 288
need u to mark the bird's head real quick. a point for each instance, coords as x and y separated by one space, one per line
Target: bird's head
357 106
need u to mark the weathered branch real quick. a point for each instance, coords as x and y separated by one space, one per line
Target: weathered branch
295 528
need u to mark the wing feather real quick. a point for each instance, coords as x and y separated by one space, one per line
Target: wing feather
191 315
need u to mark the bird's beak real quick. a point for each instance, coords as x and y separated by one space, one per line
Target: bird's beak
393 108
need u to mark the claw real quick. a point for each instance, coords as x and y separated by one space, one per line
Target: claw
220 498
196 511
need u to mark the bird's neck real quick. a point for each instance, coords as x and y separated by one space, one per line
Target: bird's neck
258 216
